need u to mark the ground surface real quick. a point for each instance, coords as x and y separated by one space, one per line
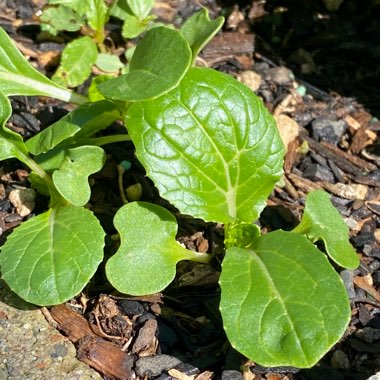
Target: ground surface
333 58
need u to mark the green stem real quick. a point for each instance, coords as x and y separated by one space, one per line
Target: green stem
99 141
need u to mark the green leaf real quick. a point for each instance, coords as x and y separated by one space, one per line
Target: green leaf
133 26
240 234
71 179
210 146
78 6
109 63
50 258
96 14
80 123
11 143
145 262
55 19
199 30
158 64
141 8
321 221
93 93
76 63
282 303
19 77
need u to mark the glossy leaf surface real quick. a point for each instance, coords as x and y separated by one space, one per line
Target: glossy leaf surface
145 262
76 62
51 257
96 14
199 29
71 179
321 221
55 19
19 77
140 8
282 302
80 123
159 62
210 146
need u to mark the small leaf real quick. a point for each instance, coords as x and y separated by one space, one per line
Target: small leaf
321 221
159 62
78 6
199 30
77 59
11 143
93 93
210 146
109 63
71 179
282 303
80 123
241 235
50 258
140 8
19 77
96 14
133 26
146 261
55 19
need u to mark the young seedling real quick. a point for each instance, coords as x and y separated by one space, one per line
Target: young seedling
213 151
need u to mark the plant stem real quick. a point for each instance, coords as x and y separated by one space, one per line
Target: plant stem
99 141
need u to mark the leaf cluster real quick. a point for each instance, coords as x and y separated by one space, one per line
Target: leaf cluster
213 151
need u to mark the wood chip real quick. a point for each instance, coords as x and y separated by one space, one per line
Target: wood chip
180 375
366 284
146 342
353 192
288 128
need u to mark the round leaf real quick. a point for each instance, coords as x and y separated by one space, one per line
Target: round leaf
282 303
146 261
210 146
159 62
322 221
50 258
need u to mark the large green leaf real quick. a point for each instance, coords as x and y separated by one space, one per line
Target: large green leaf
82 122
282 303
11 143
159 62
146 260
51 257
76 62
71 179
322 221
199 29
19 77
210 146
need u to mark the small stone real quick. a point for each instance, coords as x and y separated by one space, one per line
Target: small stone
348 279
250 79
231 375
287 127
316 172
23 200
280 75
152 366
368 334
60 351
131 307
340 360
328 130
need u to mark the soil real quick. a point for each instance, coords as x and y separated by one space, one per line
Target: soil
317 71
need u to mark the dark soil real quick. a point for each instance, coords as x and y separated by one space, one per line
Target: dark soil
333 56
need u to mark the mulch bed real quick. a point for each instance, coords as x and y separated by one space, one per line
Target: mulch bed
325 108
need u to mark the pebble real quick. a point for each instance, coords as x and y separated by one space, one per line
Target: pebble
368 334
348 279
316 172
280 75
232 375
152 366
340 360
328 130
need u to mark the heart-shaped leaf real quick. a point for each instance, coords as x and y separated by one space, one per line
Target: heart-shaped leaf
71 179
19 77
145 262
11 143
50 258
159 62
210 146
322 221
76 62
199 29
282 303
82 122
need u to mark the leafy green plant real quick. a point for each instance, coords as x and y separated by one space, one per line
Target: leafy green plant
213 151
90 17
